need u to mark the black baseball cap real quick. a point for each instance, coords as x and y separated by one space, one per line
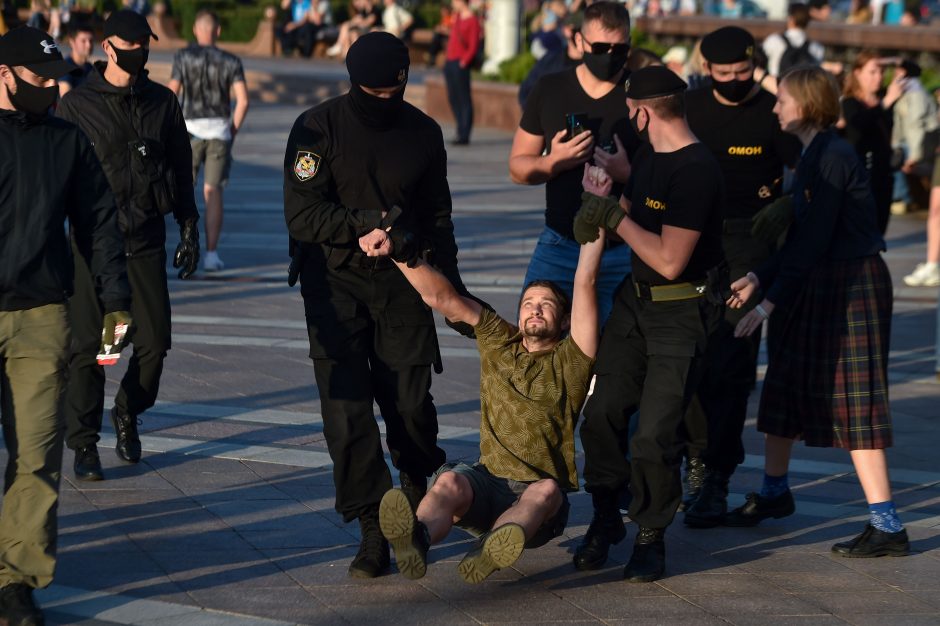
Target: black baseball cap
128 25
654 81
36 51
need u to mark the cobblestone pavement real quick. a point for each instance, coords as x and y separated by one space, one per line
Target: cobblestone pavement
229 518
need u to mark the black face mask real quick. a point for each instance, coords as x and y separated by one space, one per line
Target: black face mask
374 111
644 134
733 90
605 66
32 100
131 61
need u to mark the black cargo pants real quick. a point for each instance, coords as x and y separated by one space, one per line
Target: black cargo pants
650 360
371 338
150 335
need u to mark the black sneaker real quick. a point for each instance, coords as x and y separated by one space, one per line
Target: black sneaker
497 549
128 441
372 558
758 508
408 537
873 542
648 561
87 464
18 607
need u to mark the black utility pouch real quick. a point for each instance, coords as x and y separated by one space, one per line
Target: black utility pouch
718 284
150 162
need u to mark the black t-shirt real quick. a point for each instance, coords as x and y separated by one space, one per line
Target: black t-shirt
749 145
682 189
554 96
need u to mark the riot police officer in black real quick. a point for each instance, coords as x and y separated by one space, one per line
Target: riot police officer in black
361 171
651 354
734 118
139 136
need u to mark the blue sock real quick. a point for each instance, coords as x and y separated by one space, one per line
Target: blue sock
774 486
884 517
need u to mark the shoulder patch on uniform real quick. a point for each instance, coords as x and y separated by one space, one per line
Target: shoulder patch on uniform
306 165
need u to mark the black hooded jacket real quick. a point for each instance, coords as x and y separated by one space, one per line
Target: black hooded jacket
49 172
140 137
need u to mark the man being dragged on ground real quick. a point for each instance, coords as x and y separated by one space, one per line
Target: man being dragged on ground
533 382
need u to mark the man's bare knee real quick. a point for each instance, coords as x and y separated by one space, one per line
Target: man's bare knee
453 486
545 493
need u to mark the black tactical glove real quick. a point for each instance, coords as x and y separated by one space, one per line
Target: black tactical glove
596 212
771 222
405 248
187 252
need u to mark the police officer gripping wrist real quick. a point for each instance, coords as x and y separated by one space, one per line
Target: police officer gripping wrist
349 162
140 137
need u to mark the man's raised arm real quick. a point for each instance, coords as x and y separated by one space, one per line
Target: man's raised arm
439 294
584 324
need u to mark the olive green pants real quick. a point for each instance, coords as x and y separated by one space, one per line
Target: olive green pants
34 348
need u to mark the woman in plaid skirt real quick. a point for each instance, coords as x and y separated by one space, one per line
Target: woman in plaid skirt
827 382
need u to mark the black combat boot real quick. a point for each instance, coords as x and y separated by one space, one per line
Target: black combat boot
372 558
17 606
408 537
711 506
87 464
648 562
606 529
414 488
128 441
692 481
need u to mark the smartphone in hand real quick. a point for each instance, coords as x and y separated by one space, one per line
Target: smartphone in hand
575 124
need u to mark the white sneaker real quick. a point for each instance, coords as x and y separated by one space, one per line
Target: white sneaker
924 275
212 262
334 50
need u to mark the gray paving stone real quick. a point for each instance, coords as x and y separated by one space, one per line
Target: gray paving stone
294 605
871 602
716 584
788 620
927 619
770 604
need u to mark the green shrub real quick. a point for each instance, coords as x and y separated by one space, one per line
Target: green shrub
239 19
514 70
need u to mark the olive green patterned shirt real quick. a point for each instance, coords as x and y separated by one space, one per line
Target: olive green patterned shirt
529 404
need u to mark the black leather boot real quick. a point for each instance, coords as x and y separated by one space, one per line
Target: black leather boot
711 506
17 606
372 558
692 481
128 441
87 464
606 529
414 487
648 562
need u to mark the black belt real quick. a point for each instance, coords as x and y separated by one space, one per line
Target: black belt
669 293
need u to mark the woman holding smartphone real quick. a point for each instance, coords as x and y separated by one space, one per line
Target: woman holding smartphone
867 120
827 382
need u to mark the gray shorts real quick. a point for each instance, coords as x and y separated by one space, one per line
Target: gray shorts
217 155
492 496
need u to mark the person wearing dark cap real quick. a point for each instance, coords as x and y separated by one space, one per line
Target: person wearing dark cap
48 173
365 172
139 135
652 350
733 118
